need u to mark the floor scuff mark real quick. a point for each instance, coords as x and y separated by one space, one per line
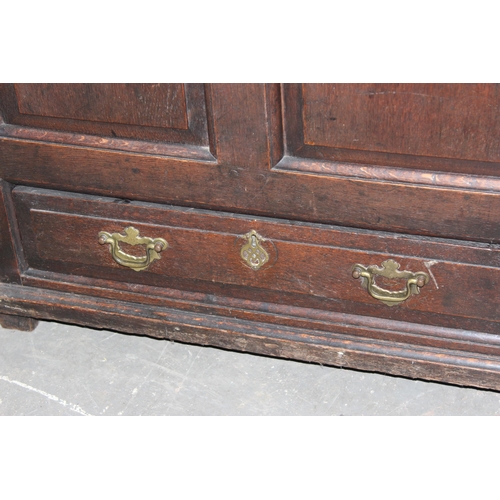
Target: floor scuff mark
60 401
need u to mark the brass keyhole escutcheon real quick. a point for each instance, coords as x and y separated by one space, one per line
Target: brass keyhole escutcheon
389 269
254 255
153 247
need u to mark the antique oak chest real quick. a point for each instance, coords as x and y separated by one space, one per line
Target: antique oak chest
354 225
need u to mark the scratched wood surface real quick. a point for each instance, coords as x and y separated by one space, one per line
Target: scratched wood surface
163 119
421 186
440 120
306 263
68 370
9 237
245 164
150 105
410 125
349 350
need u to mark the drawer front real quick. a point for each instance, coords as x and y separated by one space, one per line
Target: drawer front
261 259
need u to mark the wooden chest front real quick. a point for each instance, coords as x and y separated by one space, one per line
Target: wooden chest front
354 225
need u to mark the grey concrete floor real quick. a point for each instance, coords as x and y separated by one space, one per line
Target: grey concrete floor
67 370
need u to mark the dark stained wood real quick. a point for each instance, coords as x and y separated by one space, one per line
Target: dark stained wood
330 175
150 105
162 119
405 125
9 238
18 323
439 120
392 206
389 174
60 235
459 334
241 127
244 127
462 368
275 123
134 146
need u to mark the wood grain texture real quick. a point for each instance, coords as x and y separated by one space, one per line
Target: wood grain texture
244 132
391 206
440 120
442 127
460 333
241 126
175 150
10 259
462 368
20 323
161 119
330 176
150 105
60 231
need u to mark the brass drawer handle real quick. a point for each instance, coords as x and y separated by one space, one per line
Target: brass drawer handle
131 236
390 269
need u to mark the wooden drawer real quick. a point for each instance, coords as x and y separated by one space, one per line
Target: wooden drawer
308 265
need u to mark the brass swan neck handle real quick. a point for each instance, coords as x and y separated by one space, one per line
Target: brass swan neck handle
390 269
153 247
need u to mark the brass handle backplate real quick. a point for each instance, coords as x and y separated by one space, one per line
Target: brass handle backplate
253 253
131 236
389 269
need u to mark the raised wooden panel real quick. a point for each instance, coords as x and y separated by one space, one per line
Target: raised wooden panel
441 127
150 105
164 119
259 170
423 119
